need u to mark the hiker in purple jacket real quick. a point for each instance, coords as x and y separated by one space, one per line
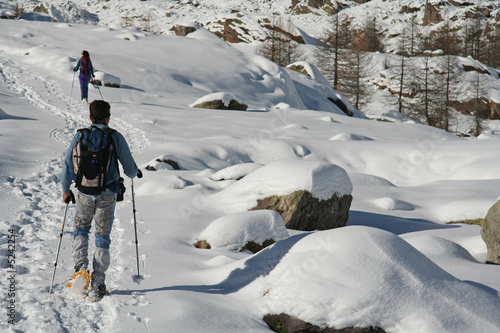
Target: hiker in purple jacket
86 71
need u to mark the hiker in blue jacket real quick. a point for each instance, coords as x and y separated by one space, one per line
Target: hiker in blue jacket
86 72
99 207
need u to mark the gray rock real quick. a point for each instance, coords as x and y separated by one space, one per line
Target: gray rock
286 323
490 232
301 211
219 105
181 30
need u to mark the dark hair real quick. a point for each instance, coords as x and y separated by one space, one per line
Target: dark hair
86 54
99 111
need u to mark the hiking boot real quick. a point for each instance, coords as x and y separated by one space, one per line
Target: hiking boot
80 267
97 291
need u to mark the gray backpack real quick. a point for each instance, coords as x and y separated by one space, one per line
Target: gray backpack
93 156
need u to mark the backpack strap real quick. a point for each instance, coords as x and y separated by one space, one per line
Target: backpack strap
79 175
111 131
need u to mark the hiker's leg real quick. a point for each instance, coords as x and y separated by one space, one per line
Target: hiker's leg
104 215
83 219
84 86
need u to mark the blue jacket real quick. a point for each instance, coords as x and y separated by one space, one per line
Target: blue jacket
123 155
79 63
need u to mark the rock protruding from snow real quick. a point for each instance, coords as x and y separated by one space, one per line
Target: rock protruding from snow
301 211
318 280
185 29
490 232
220 101
284 177
235 231
107 80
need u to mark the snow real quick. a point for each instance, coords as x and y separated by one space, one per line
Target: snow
321 179
232 232
224 97
314 281
235 172
35 17
397 264
108 79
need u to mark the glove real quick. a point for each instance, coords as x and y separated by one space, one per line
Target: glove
139 173
74 70
71 198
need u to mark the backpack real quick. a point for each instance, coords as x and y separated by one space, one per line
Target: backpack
92 156
85 66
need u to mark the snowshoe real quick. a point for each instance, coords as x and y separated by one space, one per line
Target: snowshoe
79 282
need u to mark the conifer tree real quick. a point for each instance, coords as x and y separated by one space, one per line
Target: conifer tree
356 70
279 47
401 67
371 35
479 89
336 38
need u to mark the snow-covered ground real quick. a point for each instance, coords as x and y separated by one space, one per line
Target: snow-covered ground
397 264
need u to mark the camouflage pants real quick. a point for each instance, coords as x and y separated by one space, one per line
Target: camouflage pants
101 209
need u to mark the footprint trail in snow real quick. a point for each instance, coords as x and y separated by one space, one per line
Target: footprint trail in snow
37 223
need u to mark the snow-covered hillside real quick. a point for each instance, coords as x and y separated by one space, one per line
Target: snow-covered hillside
251 15
397 265
250 22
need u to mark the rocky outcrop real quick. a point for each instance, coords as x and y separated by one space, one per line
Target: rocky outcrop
173 164
219 101
432 14
487 109
182 30
230 34
286 323
341 105
219 105
490 232
408 10
301 211
309 6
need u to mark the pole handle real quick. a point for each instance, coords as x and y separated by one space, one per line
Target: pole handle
70 198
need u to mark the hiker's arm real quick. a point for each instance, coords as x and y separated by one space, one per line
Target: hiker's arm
77 65
65 175
124 155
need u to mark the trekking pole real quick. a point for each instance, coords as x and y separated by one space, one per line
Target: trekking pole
136 278
99 91
72 199
71 94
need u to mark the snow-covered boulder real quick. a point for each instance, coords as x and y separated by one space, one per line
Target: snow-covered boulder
5 14
309 195
107 80
490 232
163 162
248 230
220 101
361 276
320 96
235 172
40 17
185 29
